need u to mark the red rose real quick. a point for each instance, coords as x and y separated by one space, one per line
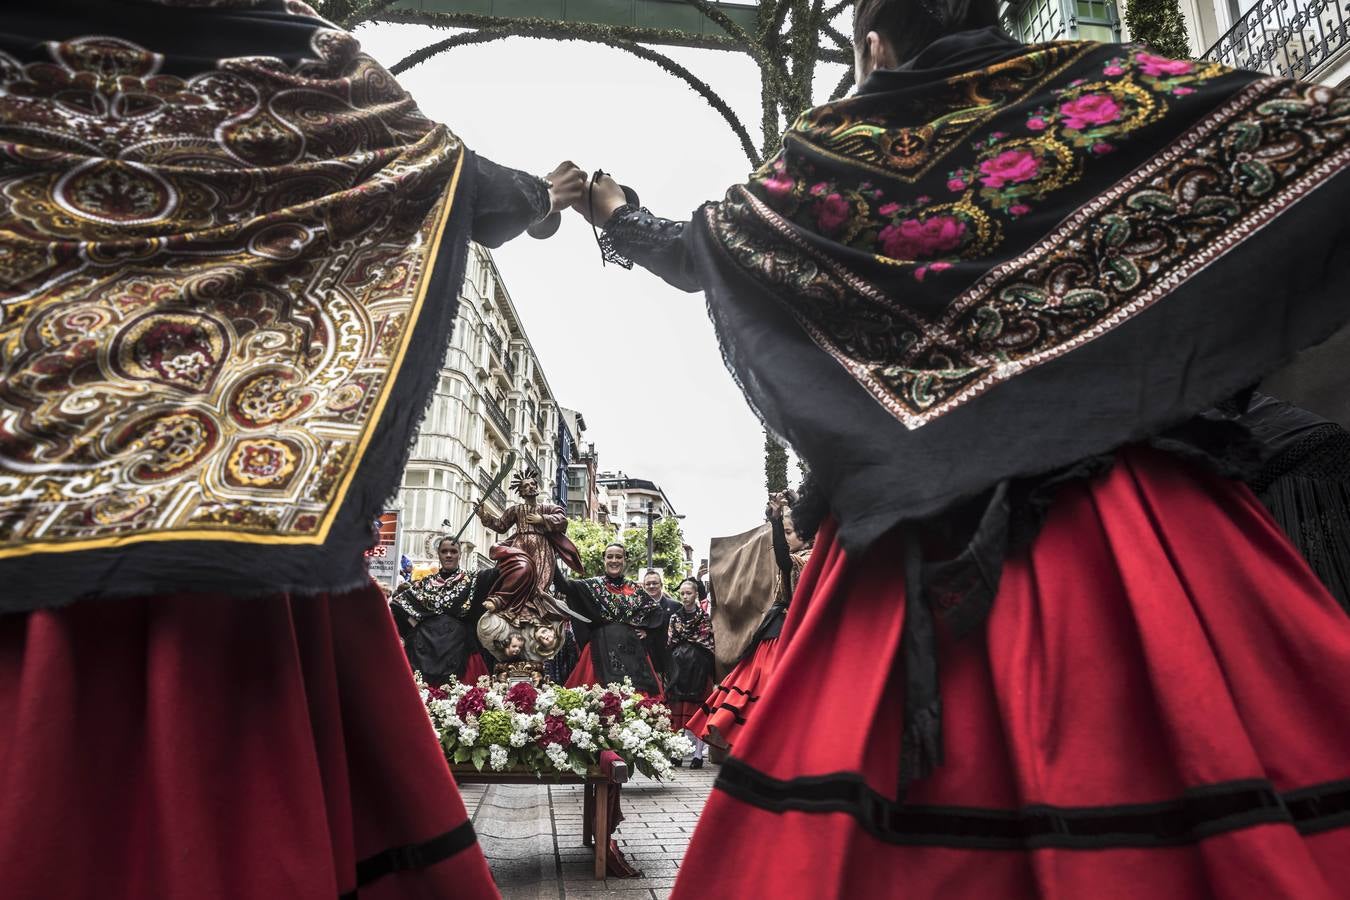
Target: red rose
436 693
611 707
555 732
914 239
1009 167
471 703
522 696
1089 110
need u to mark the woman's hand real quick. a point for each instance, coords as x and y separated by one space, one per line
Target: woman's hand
566 185
598 204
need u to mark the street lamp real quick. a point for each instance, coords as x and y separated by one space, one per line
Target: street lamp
652 517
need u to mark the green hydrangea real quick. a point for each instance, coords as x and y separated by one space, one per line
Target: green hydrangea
494 727
568 699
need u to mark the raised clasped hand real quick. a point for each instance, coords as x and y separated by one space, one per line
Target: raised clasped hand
566 185
599 202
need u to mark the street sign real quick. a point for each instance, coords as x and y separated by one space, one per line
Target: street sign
382 559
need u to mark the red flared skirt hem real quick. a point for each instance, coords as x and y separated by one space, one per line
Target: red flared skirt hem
212 747
683 711
721 717
1156 706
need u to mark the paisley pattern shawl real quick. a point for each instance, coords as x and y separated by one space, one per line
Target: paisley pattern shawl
1037 251
212 290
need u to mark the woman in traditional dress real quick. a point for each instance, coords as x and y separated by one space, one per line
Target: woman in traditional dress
1005 302
691 662
728 706
232 252
437 617
625 637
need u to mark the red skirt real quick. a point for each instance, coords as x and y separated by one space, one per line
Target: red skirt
682 712
221 748
728 706
583 674
475 669
1157 706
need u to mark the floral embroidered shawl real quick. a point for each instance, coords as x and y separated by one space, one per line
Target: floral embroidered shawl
1004 259
222 295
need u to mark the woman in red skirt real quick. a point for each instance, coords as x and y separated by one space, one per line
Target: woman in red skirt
691 663
1007 303
233 268
729 705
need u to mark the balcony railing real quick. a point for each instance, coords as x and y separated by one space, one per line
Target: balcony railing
497 416
1289 38
494 340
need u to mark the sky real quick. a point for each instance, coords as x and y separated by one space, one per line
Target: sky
638 358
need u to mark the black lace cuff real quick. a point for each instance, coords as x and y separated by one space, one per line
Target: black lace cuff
634 234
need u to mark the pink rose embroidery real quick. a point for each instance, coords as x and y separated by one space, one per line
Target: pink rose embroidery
956 184
831 213
819 189
1113 70
1009 167
915 239
1159 66
779 185
1089 110
889 209
1019 209
1183 91
1036 123
1101 149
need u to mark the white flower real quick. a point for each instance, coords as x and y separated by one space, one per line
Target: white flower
467 735
518 738
557 755
497 756
582 740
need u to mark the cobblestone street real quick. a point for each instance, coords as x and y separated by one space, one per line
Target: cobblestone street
532 836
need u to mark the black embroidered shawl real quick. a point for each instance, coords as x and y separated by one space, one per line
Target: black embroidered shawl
965 275
233 247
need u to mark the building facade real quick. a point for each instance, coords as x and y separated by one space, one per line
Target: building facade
491 398
1304 39
630 499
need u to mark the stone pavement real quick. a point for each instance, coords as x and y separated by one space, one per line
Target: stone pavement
532 836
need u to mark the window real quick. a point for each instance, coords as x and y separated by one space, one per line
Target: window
415 478
1036 21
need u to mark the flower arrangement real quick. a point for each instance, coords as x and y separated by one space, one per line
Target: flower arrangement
551 729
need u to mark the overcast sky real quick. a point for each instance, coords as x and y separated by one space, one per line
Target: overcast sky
636 357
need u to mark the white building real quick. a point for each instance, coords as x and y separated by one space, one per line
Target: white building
492 397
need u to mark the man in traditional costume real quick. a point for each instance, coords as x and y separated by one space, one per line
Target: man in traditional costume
437 616
232 252
1006 303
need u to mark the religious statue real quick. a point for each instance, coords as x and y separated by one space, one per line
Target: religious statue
524 619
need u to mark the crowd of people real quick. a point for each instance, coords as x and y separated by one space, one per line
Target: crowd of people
1061 609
